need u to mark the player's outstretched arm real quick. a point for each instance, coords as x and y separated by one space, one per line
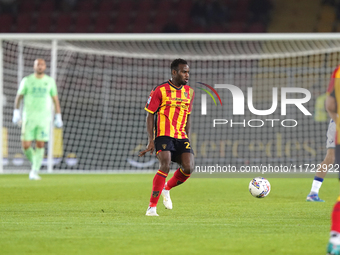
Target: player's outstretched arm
331 107
150 129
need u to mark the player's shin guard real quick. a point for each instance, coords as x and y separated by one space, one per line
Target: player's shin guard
157 187
30 154
178 178
336 217
39 155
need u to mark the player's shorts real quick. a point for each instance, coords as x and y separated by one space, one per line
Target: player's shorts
32 131
176 146
330 143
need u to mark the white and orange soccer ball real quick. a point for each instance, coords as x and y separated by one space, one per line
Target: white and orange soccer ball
259 187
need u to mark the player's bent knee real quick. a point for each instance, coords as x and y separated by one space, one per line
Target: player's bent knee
188 168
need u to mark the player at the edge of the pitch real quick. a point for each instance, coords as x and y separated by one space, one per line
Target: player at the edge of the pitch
168 126
329 159
37 90
333 108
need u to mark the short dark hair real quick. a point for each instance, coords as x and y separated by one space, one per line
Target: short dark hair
176 63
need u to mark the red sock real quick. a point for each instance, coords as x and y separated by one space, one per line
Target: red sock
336 217
157 187
178 178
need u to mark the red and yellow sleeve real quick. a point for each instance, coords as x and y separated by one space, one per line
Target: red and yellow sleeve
192 96
154 101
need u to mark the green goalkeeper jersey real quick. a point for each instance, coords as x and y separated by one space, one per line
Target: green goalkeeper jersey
37 98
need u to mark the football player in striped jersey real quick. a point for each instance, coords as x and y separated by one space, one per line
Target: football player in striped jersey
168 125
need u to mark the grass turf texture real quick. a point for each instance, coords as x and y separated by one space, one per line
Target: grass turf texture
104 214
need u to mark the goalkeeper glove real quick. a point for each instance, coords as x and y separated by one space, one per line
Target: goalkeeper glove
16 116
58 121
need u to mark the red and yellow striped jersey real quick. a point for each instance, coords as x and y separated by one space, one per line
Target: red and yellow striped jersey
334 90
171 105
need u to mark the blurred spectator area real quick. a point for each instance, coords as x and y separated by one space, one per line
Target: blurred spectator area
135 16
305 16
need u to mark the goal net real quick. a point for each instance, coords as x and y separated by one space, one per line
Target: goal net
104 83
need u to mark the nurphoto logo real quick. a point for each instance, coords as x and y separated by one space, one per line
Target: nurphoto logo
239 109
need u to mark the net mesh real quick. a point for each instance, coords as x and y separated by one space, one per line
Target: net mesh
103 87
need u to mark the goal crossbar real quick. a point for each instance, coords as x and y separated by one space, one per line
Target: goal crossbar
174 37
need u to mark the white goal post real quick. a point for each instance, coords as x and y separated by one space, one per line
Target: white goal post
104 81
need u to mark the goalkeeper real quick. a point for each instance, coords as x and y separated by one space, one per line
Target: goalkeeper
37 90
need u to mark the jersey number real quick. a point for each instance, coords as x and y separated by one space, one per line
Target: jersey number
188 145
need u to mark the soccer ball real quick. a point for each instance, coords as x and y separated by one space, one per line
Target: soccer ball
259 187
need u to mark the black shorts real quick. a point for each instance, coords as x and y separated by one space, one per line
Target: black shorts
175 146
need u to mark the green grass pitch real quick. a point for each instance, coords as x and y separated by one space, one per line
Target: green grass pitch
105 214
